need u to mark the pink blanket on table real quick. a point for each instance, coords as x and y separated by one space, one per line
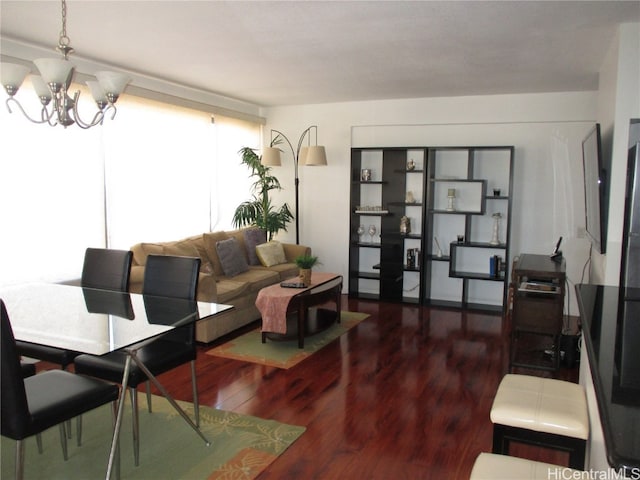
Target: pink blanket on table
273 302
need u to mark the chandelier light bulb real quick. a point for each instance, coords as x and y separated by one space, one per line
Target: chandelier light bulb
12 76
112 83
55 71
98 94
41 88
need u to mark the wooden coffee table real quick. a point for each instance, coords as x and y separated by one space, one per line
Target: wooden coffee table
288 313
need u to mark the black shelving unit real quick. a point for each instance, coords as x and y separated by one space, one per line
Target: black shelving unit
379 270
462 273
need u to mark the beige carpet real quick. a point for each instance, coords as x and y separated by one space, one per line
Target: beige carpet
284 354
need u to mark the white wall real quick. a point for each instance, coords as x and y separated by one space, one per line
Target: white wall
546 129
620 101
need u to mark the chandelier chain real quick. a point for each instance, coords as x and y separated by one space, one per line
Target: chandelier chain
64 39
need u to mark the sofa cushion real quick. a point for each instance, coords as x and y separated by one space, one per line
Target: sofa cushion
186 248
229 290
210 239
142 250
252 238
197 242
271 253
258 278
286 271
231 257
180 249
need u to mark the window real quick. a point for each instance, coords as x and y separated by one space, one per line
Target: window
155 173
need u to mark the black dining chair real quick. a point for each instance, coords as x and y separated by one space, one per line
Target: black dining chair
103 268
165 276
34 404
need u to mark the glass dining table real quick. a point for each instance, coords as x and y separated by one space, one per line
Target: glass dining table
98 322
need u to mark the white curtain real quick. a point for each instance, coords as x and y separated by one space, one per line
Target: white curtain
231 182
159 161
155 173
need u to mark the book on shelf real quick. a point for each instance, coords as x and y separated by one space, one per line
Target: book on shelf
539 287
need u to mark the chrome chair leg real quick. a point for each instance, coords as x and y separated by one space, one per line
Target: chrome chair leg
114 416
63 441
19 459
39 443
148 385
136 426
79 430
196 404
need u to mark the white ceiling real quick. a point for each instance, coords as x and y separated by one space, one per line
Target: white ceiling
300 52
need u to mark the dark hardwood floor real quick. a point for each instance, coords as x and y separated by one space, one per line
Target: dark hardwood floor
405 394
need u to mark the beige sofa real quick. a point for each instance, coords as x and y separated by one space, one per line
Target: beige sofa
238 289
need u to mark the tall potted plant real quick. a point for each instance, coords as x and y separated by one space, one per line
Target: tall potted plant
259 211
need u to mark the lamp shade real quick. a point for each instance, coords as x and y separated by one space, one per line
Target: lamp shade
41 88
271 157
316 156
12 74
112 82
302 156
97 92
54 70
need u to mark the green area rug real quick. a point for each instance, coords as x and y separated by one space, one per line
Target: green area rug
284 354
241 446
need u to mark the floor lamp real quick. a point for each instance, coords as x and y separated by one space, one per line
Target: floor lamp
310 155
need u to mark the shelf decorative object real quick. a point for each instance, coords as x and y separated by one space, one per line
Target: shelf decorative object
405 225
411 165
365 175
372 231
438 249
360 232
451 197
410 197
495 238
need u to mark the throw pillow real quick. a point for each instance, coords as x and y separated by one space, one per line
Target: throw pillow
210 240
231 257
271 253
252 238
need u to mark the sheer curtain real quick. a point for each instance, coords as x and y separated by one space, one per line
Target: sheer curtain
231 182
158 165
51 203
155 173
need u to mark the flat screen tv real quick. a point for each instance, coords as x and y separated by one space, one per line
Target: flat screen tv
595 189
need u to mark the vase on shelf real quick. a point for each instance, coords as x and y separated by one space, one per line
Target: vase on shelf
495 238
372 231
410 198
405 225
451 197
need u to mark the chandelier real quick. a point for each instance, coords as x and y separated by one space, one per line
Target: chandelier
53 83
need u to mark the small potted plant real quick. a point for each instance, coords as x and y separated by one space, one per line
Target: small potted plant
305 263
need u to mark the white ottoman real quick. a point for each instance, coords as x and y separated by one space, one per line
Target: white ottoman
490 466
541 411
